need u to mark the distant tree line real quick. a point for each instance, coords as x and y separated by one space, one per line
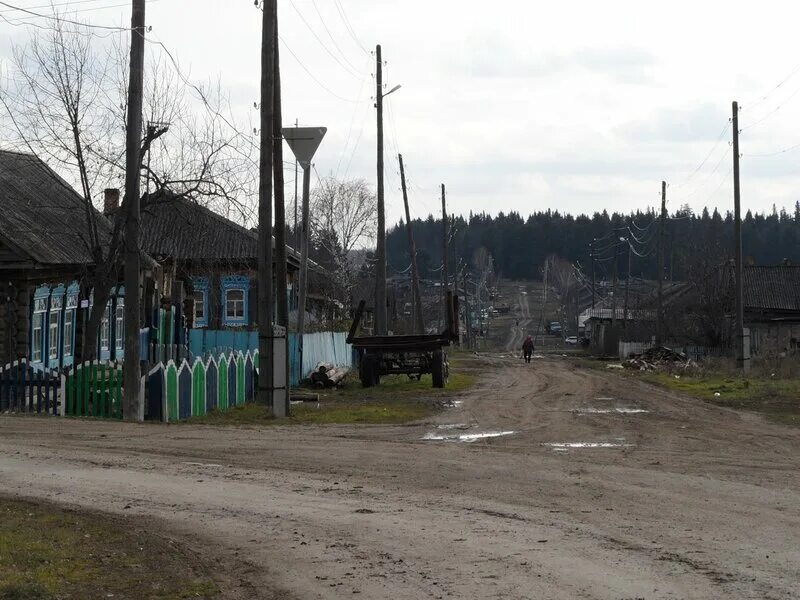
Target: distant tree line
519 246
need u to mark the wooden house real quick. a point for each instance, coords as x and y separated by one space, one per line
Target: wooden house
772 308
208 271
45 257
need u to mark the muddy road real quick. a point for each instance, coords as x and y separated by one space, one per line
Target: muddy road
601 487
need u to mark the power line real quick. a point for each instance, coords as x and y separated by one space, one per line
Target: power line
321 43
705 160
61 19
56 5
349 27
318 82
328 31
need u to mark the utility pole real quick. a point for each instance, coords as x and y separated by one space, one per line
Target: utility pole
662 225
614 288
591 259
419 321
296 233
742 349
445 252
132 408
380 253
628 283
264 394
280 383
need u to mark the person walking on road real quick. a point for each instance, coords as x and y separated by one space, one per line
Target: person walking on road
527 349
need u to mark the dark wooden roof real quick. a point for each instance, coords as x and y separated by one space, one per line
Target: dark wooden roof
180 228
772 288
42 218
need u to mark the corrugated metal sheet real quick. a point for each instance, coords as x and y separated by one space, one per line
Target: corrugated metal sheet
772 288
41 214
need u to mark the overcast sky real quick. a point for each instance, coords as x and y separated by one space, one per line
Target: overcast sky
518 105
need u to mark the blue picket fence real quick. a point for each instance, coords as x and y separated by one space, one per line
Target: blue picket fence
327 347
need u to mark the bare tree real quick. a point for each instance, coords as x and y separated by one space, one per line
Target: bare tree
344 216
66 102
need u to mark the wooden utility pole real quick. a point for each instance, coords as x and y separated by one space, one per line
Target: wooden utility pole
303 283
742 354
281 275
132 408
265 167
419 320
591 259
380 253
615 282
296 233
628 284
661 228
445 253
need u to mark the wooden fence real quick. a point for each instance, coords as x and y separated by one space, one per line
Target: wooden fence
171 391
28 390
94 389
175 392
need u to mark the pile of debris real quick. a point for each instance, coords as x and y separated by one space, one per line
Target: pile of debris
657 359
327 376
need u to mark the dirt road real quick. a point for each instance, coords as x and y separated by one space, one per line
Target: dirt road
683 501
522 321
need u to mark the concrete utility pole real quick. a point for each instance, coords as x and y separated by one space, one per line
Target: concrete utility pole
133 408
380 253
662 226
742 337
264 394
281 382
419 321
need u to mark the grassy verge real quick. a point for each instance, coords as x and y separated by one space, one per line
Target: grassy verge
49 553
396 400
776 397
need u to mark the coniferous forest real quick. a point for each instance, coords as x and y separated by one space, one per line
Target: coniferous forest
519 245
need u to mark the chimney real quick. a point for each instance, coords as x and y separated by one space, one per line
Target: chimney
110 201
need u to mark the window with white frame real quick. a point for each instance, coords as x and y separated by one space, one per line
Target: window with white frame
37 338
235 291
69 328
105 329
200 316
119 323
56 303
234 305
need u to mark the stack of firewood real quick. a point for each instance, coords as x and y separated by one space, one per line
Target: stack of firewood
327 375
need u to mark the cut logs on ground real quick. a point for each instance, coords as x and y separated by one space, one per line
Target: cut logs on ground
327 376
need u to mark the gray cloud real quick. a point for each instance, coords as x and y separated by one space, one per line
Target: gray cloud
700 123
492 56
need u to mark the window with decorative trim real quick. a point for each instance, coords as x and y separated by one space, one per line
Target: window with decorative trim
69 322
200 297
37 328
105 329
234 295
54 326
119 325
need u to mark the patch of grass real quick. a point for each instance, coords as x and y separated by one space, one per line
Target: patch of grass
396 400
776 397
50 553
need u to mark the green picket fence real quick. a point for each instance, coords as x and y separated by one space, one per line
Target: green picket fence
94 389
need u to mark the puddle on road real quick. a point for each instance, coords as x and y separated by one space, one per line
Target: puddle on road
465 437
454 426
564 446
610 411
199 464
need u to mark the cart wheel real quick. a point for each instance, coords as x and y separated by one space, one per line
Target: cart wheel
439 369
366 371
